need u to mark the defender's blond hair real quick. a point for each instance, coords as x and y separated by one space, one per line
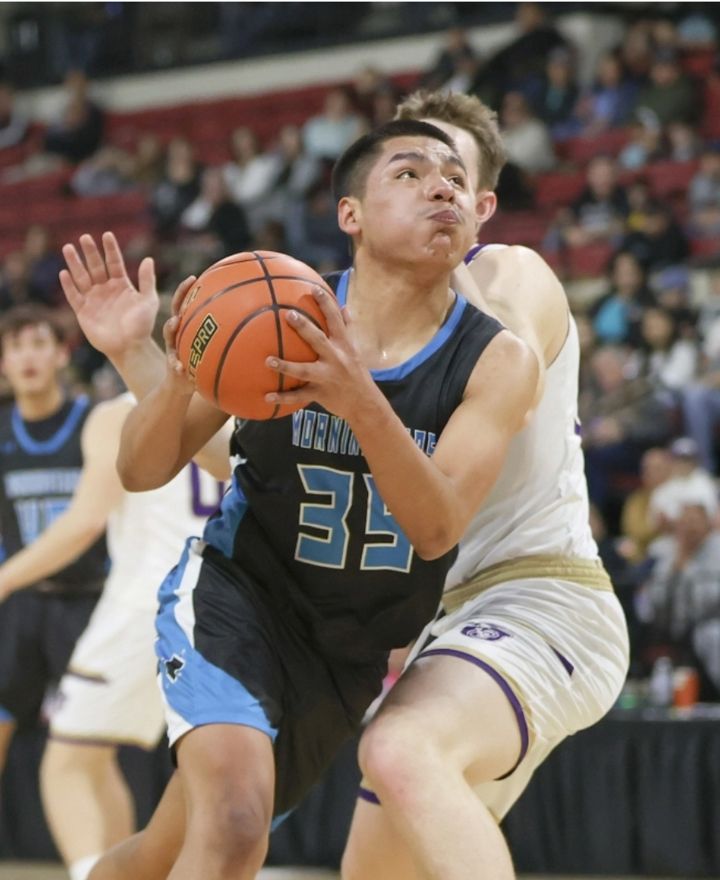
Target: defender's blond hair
469 113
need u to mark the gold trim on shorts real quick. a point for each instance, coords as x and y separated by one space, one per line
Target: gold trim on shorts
585 572
101 739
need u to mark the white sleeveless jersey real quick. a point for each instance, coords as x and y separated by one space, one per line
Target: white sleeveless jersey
539 504
146 533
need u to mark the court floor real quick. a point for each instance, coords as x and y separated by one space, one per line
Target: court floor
48 871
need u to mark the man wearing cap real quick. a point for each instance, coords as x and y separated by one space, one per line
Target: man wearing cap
681 599
689 480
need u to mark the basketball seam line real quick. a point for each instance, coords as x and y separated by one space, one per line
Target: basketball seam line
187 319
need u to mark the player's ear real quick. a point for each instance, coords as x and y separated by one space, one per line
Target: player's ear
485 206
63 357
349 215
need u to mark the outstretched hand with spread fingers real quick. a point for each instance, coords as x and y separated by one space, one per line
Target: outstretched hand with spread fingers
113 314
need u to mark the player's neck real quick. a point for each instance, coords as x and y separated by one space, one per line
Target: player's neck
394 314
35 407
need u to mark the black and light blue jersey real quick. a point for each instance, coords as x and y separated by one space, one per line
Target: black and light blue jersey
305 517
40 464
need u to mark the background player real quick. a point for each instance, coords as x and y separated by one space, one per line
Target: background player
49 454
533 644
407 212
109 693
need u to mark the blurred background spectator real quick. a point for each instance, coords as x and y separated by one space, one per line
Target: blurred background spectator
77 132
13 123
326 135
682 594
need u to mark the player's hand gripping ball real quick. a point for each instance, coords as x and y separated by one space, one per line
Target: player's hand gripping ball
234 318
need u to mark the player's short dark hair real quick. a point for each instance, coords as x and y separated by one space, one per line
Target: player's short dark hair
351 170
30 315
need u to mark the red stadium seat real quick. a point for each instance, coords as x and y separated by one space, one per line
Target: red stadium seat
668 178
711 113
699 63
581 150
558 188
705 247
589 260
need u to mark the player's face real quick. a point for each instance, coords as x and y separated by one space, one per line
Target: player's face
485 201
418 207
32 358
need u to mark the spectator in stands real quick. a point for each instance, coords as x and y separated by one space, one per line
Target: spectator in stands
670 287
664 35
669 95
148 160
383 107
178 187
558 95
455 65
637 525
249 174
616 315
368 83
77 134
526 138
645 143
682 594
697 31
325 136
16 286
621 417
43 265
14 124
107 171
667 359
660 242
519 66
684 143
636 52
687 477
294 175
704 195
599 212
610 101
701 400
112 169
218 224
639 198
312 232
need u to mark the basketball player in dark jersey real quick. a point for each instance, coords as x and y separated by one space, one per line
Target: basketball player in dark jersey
41 459
333 544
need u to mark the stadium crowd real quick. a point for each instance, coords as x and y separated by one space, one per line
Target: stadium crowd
616 182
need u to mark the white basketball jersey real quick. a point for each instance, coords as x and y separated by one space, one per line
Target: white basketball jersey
146 533
539 504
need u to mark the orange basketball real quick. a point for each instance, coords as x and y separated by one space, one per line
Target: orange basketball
234 318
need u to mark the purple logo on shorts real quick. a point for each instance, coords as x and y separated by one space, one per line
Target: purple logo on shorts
487 631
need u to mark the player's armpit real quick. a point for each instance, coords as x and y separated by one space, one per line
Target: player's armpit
499 396
214 456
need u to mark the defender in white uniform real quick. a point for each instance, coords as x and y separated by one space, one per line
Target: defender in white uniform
530 644
109 694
